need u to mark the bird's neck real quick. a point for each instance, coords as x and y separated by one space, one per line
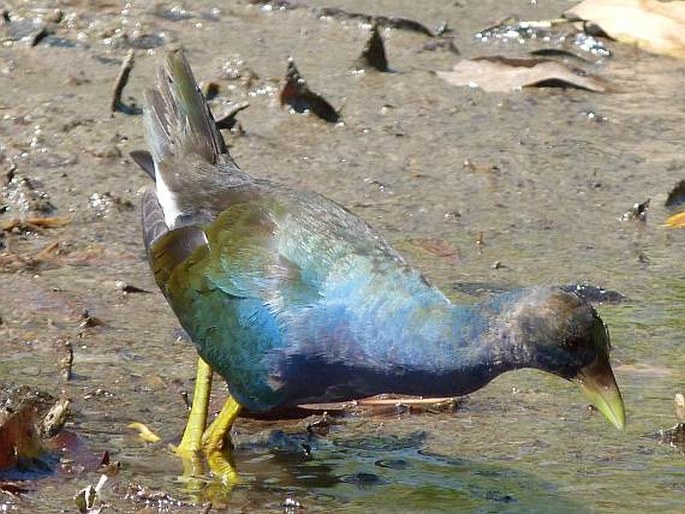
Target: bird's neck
435 348
455 349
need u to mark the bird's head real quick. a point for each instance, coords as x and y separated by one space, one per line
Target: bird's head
562 334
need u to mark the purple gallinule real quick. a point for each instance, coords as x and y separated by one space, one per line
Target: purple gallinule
293 299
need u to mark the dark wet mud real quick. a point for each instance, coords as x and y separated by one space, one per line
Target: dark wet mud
482 191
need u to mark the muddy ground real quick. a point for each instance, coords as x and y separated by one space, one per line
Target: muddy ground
482 191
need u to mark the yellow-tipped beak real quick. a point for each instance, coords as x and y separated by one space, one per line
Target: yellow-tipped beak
598 382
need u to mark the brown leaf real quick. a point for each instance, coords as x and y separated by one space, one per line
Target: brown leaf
498 74
296 94
20 441
657 27
373 56
33 223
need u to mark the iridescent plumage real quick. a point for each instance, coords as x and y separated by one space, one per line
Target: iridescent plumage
293 299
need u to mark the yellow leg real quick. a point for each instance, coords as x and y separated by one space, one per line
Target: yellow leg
217 444
191 443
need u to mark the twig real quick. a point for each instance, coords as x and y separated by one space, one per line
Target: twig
67 361
121 82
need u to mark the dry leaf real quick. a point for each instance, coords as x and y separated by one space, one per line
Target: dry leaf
498 74
33 223
677 220
677 195
657 27
144 432
296 94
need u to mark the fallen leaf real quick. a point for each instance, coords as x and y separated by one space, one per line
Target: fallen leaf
20 441
499 74
228 120
144 432
657 27
677 195
373 56
676 221
297 95
26 425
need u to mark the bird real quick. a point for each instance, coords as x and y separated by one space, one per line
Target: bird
293 299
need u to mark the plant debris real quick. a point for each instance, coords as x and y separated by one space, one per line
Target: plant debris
512 27
638 212
297 95
24 197
560 32
32 224
321 426
87 500
122 79
390 404
12 262
383 21
86 320
373 56
128 288
658 27
144 432
500 74
67 361
29 418
108 466
56 418
228 120
28 31
676 197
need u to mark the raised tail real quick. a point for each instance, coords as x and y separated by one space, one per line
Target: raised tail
177 119
187 154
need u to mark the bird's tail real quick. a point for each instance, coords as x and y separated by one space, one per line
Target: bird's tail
177 119
182 138
187 153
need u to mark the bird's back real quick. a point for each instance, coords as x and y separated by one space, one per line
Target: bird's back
279 278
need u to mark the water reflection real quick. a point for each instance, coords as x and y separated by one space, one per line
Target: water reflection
370 473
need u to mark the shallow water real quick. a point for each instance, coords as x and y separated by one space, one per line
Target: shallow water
546 189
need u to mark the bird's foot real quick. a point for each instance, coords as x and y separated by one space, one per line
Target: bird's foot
192 461
216 443
221 465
